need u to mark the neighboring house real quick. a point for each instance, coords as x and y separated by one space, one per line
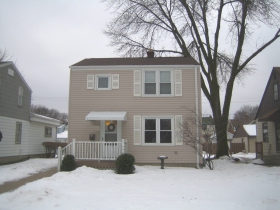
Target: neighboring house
268 119
141 100
62 128
23 133
62 137
208 126
246 134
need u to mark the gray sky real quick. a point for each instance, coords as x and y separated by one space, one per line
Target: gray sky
45 37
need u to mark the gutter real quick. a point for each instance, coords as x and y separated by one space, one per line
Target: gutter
197 119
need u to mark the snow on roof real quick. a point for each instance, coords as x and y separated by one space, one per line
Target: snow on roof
250 129
63 135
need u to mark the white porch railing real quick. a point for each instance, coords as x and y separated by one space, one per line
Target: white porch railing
86 150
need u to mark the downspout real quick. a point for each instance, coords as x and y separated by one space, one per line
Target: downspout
197 119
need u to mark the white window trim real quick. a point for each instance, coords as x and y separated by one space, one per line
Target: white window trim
158 130
158 83
109 81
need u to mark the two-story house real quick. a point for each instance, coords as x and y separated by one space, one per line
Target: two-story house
268 119
142 100
22 132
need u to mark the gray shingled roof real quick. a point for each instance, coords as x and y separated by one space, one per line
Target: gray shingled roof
137 61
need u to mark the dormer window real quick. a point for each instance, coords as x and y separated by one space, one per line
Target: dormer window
275 91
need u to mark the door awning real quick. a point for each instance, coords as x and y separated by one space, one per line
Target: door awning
106 116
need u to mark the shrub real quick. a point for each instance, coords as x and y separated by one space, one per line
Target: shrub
51 148
68 163
125 164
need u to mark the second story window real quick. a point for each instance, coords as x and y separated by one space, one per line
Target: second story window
103 82
157 83
20 95
275 91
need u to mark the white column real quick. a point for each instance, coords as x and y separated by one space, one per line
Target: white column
74 147
58 158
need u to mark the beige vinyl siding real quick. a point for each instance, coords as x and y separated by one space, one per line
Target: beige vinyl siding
8 129
82 101
269 148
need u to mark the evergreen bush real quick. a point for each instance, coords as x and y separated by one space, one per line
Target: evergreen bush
68 163
125 164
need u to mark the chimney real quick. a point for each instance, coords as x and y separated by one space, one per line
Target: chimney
150 53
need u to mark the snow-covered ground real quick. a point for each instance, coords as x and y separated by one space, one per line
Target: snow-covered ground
231 185
24 169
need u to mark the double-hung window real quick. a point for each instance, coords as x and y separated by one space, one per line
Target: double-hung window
157 83
158 130
18 133
265 132
20 95
48 131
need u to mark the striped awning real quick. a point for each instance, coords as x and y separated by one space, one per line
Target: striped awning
106 116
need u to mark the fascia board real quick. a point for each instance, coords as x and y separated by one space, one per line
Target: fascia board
132 67
43 119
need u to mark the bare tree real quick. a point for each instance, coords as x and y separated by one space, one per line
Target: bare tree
246 114
203 143
53 113
193 28
4 55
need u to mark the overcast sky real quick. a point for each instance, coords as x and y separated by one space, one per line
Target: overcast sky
45 37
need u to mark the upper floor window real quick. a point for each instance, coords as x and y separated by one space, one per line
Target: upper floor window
48 131
103 82
265 132
11 72
275 91
18 133
157 83
20 95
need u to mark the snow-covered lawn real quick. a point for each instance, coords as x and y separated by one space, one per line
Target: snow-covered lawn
24 169
231 185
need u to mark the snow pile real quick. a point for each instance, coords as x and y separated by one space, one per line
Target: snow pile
229 186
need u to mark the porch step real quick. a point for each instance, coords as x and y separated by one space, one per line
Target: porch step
272 160
102 164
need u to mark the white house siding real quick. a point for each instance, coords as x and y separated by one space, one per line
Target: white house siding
83 100
269 148
37 137
8 147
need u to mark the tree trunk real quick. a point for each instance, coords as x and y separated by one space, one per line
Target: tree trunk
221 134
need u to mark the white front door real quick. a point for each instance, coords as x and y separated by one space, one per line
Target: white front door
110 132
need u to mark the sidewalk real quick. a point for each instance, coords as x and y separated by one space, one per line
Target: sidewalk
9 186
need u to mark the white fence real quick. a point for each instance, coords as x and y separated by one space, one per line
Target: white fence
86 150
